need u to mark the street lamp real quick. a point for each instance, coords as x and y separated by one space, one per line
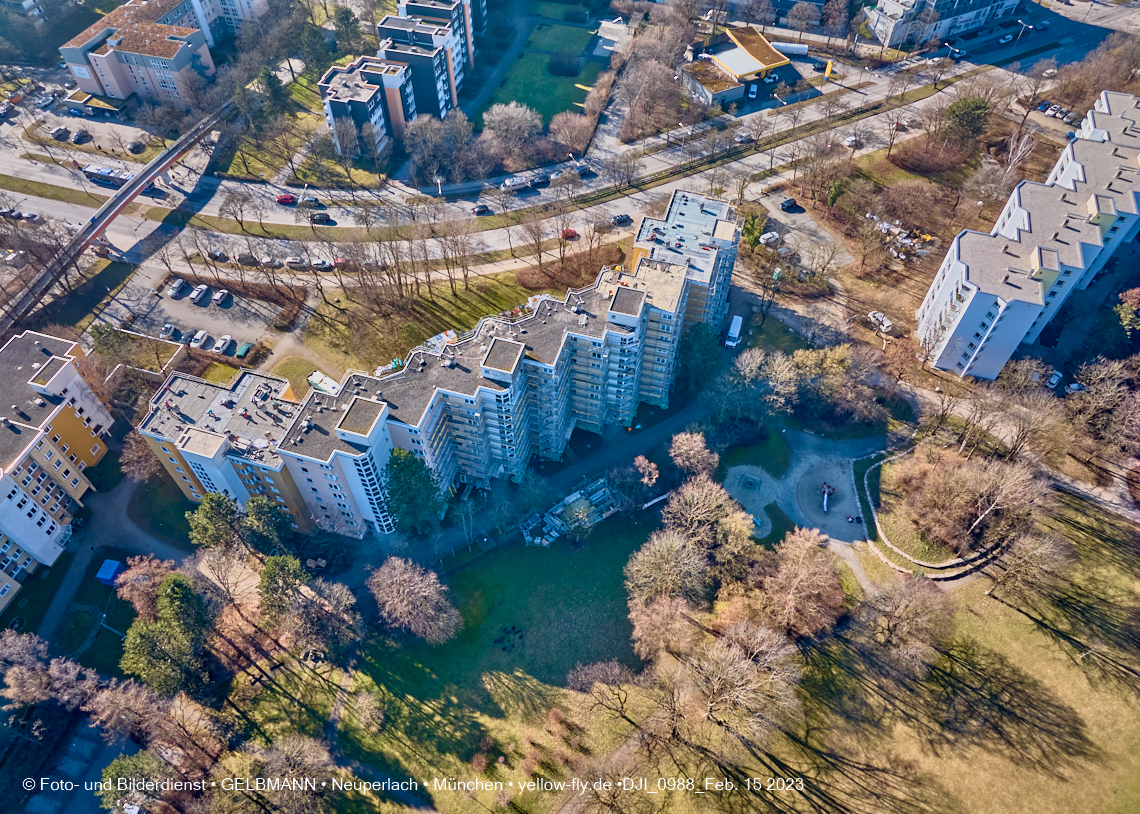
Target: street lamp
1025 26
439 186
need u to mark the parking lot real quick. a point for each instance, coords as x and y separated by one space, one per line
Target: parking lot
797 226
244 319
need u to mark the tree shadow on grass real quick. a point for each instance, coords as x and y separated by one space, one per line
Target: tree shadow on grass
971 697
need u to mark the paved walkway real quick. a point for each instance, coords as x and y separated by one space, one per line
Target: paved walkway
109 527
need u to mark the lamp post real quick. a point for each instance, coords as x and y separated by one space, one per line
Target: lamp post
439 186
1023 27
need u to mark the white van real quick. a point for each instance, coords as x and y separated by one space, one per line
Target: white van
515 184
734 332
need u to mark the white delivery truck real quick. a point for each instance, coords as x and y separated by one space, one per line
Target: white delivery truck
734 332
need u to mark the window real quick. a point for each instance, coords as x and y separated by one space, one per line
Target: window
64 448
74 482
57 464
95 449
179 469
55 439
82 464
49 455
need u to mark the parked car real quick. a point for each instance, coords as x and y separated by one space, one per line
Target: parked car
1007 38
177 287
199 292
220 296
584 170
166 332
247 260
770 79
295 262
1075 387
1041 26
321 265
269 262
80 136
286 200
569 234
69 84
244 350
30 217
788 204
310 200
1054 379
199 339
136 147
880 322
223 344
219 255
753 91
342 263
852 141
319 217
743 138
768 238
1043 106
1049 74
481 209
621 220
515 184
541 179
1053 110
58 133
1072 117
8 214
561 175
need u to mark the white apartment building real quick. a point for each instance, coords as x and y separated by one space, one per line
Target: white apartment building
895 22
472 407
51 429
997 290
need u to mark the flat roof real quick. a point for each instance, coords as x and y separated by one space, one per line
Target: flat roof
22 358
738 62
135 29
757 47
361 415
627 301
504 355
252 412
695 228
709 75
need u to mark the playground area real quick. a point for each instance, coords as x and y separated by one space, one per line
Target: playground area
821 471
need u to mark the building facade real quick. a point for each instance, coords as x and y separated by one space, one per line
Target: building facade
130 52
52 429
998 290
434 54
473 407
372 91
899 22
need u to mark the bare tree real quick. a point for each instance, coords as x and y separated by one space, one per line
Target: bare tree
908 621
694 508
803 16
803 596
691 454
412 598
662 626
667 565
534 229
137 460
139 583
1029 564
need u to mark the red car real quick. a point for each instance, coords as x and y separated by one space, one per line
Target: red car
286 199
569 234
342 263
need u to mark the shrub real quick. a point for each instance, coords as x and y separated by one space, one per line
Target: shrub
562 63
479 763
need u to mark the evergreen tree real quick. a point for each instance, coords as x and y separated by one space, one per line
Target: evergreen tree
281 578
216 521
413 493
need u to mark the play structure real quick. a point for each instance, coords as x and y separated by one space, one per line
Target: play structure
825 492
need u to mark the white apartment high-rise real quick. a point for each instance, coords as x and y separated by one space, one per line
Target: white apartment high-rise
472 407
995 291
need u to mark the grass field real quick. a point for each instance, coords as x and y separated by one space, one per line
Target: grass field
35 595
80 308
781 525
774 335
395 336
530 615
530 83
219 372
546 8
551 38
159 508
36 189
296 369
773 454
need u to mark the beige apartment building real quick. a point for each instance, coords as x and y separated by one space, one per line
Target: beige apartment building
473 407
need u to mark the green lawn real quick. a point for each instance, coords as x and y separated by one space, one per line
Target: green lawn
550 38
305 92
394 336
529 83
87 301
219 372
35 595
781 525
72 195
773 454
530 615
296 699
107 474
545 8
296 369
159 508
774 335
